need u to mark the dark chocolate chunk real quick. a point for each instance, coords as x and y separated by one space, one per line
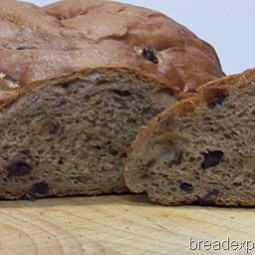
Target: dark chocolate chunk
187 187
216 101
29 197
208 198
18 168
60 162
149 55
40 188
211 158
122 93
200 201
211 194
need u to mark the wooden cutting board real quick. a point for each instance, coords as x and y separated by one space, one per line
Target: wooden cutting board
117 225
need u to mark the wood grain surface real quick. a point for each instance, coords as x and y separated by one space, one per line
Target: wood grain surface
116 225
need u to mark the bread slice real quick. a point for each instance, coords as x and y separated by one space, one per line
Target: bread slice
71 137
77 79
201 150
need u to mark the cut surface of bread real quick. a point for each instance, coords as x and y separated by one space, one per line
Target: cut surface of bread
200 151
72 138
73 90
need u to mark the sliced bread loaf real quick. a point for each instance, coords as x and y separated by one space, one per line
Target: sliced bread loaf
77 80
201 150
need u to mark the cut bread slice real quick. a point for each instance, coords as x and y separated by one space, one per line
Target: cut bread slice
201 150
73 90
71 136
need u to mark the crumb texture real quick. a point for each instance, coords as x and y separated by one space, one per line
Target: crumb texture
72 138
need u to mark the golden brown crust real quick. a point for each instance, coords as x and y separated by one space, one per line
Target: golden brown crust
205 94
41 44
228 80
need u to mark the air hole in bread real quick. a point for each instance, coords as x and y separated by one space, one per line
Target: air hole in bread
122 93
178 159
217 101
168 149
66 85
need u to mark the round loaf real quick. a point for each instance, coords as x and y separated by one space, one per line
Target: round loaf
40 44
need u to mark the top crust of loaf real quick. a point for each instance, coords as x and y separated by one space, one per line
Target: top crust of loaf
41 44
205 94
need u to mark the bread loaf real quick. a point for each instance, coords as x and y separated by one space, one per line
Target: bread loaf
201 150
77 80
